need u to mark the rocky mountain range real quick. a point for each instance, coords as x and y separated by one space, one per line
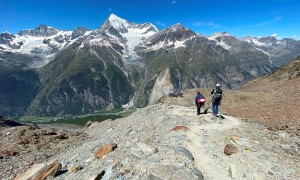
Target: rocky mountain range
50 72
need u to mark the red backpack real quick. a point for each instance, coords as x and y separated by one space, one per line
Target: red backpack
201 99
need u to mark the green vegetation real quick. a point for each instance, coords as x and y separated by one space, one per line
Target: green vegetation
79 120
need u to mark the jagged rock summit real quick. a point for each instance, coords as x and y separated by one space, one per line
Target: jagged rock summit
41 30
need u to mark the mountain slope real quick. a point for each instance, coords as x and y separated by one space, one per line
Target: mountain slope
18 88
83 83
272 100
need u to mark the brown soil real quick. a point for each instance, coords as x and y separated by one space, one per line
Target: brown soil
275 104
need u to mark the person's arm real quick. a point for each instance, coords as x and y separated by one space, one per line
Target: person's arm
212 91
220 91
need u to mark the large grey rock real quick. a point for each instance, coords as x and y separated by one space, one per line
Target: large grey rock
184 151
166 172
141 150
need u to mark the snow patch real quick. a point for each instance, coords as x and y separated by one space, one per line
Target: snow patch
224 45
268 54
220 43
258 43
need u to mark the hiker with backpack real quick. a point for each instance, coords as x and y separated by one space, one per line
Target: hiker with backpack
216 99
199 101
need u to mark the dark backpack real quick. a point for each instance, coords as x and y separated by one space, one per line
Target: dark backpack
217 95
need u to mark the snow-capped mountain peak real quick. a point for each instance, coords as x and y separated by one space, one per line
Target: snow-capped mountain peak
40 43
170 38
126 34
41 30
219 34
119 24
220 38
115 18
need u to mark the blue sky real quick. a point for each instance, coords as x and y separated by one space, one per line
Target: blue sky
280 18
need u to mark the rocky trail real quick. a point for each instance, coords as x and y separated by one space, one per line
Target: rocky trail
166 141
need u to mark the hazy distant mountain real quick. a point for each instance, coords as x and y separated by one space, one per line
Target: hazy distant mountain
81 71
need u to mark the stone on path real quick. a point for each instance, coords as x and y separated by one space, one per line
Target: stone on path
105 150
184 151
232 171
50 170
180 128
31 172
230 149
160 172
141 151
198 173
73 168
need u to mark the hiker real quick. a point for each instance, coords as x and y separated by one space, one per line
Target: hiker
216 99
199 101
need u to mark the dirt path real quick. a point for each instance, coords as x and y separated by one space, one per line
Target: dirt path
199 143
262 154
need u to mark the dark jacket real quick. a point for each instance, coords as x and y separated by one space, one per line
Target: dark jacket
214 92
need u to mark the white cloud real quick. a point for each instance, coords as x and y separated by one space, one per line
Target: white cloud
173 2
274 35
209 24
160 23
296 37
110 9
277 18
266 23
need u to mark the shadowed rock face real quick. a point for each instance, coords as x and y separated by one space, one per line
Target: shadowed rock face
5 38
79 31
9 123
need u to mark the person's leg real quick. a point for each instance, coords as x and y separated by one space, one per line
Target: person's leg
201 106
198 110
213 108
217 109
